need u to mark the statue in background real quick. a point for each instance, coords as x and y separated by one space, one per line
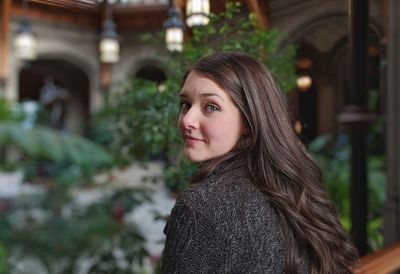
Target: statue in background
54 99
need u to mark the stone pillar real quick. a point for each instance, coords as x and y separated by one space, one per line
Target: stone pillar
326 106
392 207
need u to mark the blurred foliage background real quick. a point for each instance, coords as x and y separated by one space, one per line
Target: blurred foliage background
138 125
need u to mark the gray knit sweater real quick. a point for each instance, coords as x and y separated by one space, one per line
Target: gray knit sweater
223 225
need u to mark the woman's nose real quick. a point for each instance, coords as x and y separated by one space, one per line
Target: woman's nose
190 119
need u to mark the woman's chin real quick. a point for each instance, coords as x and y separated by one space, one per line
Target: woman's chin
194 157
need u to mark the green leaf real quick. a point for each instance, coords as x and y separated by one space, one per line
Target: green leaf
43 142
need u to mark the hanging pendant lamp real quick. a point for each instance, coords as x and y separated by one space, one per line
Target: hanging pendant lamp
109 43
25 42
174 30
197 12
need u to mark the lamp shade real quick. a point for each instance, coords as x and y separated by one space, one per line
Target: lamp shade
109 50
174 38
304 82
174 30
25 42
109 44
197 12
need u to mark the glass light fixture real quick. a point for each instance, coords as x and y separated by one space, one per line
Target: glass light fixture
304 82
25 45
109 44
197 12
25 42
174 30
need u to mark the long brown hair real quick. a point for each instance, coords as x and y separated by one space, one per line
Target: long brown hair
279 165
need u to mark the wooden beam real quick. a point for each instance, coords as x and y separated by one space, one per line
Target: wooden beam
129 17
138 10
68 4
255 7
79 17
4 34
383 261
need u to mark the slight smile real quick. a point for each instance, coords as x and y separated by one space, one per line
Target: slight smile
190 140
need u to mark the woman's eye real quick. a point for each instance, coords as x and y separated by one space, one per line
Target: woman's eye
212 108
184 106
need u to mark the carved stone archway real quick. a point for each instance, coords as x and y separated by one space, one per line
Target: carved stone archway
65 75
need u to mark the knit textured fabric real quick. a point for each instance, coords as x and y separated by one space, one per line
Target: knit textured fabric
223 224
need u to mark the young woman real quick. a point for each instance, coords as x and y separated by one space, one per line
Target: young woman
257 204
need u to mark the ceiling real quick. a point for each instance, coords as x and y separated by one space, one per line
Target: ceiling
127 14
147 15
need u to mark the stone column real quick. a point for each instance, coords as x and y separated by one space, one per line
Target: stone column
392 207
326 106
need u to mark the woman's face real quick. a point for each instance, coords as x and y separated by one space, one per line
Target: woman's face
209 122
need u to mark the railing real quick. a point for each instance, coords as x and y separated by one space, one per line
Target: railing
383 261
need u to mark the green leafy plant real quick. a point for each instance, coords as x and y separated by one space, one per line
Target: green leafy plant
70 232
53 145
6 113
51 228
140 120
136 122
3 259
42 153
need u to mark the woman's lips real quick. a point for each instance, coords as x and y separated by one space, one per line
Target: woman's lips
190 140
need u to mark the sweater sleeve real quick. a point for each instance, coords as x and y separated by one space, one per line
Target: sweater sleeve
193 243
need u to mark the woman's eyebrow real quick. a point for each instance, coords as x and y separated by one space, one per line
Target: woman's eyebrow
182 94
209 94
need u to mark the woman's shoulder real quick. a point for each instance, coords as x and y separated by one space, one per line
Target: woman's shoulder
218 184
226 192
231 204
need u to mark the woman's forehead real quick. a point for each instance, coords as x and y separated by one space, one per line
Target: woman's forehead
202 84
